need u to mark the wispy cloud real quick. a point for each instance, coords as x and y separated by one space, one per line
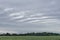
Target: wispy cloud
8 9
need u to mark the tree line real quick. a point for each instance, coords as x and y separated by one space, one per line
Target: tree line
31 34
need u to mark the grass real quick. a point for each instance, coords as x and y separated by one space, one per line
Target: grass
29 37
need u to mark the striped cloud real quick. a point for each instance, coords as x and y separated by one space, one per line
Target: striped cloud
26 16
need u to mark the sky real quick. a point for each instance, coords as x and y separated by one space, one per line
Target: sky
21 16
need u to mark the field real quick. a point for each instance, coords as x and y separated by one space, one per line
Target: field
29 37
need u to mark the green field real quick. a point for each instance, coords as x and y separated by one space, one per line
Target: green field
29 37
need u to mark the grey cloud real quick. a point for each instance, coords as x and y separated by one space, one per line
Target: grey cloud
48 8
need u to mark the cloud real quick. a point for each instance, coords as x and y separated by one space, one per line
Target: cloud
13 14
18 17
38 14
8 9
34 21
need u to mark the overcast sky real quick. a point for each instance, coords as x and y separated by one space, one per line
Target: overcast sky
21 16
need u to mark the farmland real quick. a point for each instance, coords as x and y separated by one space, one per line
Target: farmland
29 37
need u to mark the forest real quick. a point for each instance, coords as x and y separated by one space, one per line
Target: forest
31 34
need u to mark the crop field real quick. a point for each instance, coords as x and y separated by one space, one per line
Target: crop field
29 37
